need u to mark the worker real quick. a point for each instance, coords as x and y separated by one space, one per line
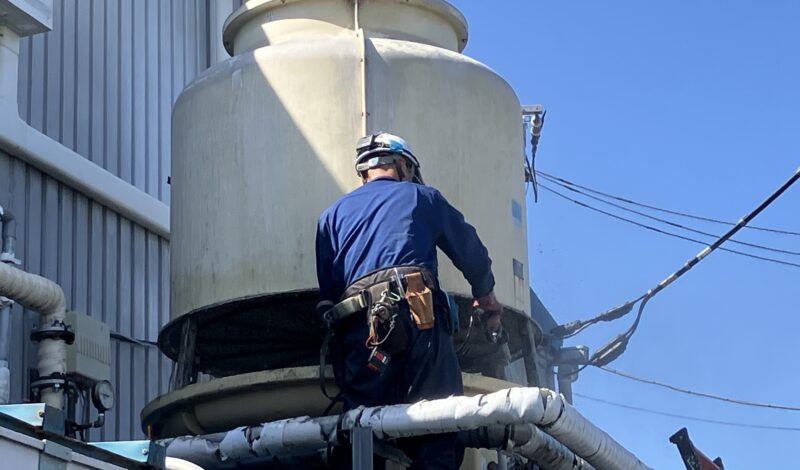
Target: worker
376 262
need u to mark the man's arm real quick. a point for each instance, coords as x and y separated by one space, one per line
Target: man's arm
460 242
325 256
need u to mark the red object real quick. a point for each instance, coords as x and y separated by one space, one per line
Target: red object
705 462
693 458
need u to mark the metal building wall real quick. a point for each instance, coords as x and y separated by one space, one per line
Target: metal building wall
109 268
103 81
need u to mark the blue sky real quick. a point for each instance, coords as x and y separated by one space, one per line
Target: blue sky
691 106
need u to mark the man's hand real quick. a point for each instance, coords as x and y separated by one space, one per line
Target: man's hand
490 304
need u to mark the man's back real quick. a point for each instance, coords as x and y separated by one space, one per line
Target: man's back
383 223
389 223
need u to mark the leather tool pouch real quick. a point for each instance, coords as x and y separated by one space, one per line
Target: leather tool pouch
420 300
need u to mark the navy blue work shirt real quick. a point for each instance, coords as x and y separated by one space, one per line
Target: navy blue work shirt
388 223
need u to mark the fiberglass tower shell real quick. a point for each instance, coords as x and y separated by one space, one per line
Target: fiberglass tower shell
264 141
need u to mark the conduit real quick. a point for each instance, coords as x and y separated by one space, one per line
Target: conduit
570 442
47 298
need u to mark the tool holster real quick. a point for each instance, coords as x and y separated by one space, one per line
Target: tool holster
414 284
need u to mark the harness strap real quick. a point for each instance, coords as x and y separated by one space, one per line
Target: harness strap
323 353
349 306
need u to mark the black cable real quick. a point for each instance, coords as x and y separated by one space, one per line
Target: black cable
536 133
667 211
635 324
463 350
685 417
711 396
128 339
665 221
586 324
663 232
614 348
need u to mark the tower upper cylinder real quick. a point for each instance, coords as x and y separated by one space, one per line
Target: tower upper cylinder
264 141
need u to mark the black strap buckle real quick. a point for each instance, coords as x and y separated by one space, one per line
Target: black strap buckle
56 330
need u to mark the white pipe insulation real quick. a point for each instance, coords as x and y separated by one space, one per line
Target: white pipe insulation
46 297
545 450
173 463
569 434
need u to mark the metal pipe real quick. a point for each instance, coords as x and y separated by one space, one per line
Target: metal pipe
5 317
46 297
566 375
570 434
9 232
8 236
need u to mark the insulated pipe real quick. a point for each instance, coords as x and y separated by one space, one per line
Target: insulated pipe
173 463
204 451
47 298
5 372
539 407
8 236
528 441
545 450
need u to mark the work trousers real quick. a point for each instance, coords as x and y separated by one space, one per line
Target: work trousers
427 369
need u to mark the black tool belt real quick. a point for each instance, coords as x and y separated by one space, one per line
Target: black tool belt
363 291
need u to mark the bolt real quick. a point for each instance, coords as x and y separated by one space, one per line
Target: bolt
41 413
144 451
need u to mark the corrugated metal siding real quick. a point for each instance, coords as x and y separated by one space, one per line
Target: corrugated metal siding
104 80
109 268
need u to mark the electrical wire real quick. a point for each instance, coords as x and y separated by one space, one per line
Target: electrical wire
614 348
665 221
663 232
686 417
698 394
667 211
465 346
128 339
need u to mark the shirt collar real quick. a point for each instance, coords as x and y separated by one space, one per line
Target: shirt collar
382 178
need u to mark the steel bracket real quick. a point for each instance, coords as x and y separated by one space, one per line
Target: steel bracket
145 452
42 416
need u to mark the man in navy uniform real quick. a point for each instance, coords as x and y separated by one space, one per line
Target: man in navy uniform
376 262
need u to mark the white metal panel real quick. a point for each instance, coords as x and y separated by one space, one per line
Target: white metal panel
21 452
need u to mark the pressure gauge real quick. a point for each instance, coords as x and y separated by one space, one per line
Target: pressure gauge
103 396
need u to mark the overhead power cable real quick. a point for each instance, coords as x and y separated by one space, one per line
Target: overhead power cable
614 348
711 396
660 209
665 221
686 417
663 232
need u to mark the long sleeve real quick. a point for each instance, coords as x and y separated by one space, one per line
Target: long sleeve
460 242
325 255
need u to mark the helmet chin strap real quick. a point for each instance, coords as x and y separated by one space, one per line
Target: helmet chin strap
401 167
404 170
